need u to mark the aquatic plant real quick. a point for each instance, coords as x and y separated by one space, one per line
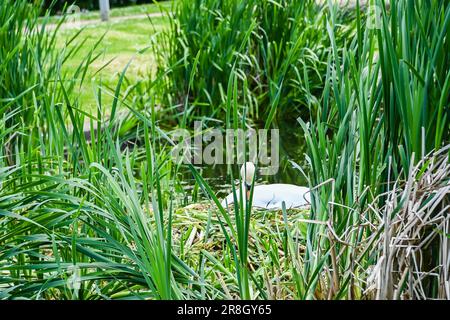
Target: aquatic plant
92 206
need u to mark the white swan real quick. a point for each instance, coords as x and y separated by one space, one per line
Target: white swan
269 196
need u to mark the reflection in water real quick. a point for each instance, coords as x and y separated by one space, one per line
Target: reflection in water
292 148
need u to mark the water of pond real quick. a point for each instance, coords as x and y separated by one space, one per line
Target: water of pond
292 149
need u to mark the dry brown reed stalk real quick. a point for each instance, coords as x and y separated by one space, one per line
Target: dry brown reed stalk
414 250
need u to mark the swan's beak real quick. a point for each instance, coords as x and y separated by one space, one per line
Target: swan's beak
247 190
247 175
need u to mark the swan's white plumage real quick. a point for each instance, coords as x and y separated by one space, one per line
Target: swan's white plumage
271 196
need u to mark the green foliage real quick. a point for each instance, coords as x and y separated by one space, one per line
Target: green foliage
90 205
273 47
385 106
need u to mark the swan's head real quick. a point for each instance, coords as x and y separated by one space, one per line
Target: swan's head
247 173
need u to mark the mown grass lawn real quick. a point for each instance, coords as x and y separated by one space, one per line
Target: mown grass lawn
124 40
124 11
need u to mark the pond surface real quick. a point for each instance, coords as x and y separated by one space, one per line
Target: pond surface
292 149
